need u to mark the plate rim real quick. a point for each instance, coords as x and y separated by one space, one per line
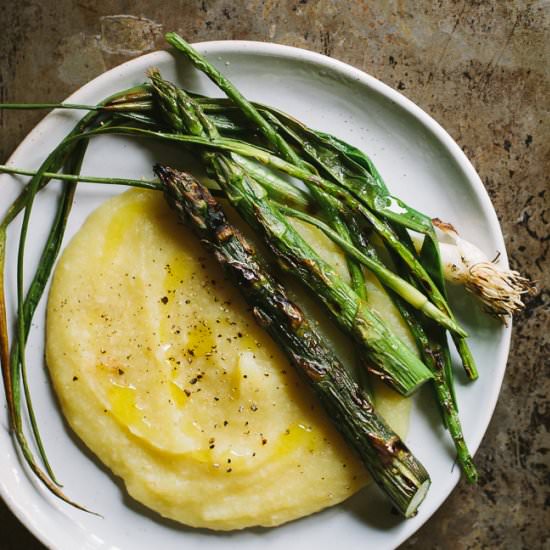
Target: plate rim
294 53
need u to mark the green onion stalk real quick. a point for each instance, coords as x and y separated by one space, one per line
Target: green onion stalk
68 155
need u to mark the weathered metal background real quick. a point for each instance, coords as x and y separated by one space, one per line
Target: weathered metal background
481 68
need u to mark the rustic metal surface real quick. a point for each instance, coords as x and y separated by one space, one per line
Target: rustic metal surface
481 68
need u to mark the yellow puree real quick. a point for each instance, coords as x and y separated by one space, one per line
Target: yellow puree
163 373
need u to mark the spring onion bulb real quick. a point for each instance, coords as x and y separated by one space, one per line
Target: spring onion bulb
500 289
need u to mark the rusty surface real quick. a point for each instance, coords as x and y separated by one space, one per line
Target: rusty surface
481 68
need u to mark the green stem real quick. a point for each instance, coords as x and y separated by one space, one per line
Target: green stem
278 188
32 106
118 107
14 372
432 344
404 289
145 184
231 91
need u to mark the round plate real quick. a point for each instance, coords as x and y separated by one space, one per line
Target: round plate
420 163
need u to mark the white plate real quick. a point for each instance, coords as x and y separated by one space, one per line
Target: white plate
419 161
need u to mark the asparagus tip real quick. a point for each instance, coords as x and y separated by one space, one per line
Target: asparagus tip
173 38
152 72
